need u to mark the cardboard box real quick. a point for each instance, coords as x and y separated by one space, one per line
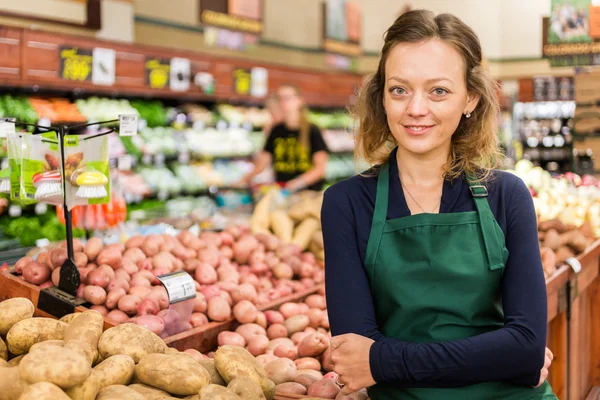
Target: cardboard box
592 143
587 86
587 120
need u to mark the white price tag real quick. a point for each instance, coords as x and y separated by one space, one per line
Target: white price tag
125 163
15 210
574 263
4 163
184 157
103 66
41 209
180 286
6 128
128 124
41 243
180 74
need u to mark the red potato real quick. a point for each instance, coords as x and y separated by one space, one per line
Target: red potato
159 294
94 294
243 248
244 291
128 266
151 245
286 250
331 375
191 265
145 265
321 290
158 272
129 304
227 286
284 291
359 395
283 271
195 354
227 238
325 388
57 258
305 379
134 254
261 319
277 331
134 241
271 260
77 245
148 307
307 282
228 274
22 263
36 273
140 281
257 257
113 297
79 290
197 244
303 308
227 297
110 256
290 353
319 276
200 304
108 271
281 370
289 310
186 237
325 320
98 277
313 345
308 257
46 285
248 331
122 274
84 272
178 264
306 270
117 283
308 363
218 309
42 258
211 238
297 323
168 246
257 345
140 291
198 319
274 317
226 251
151 322
298 336
291 387
295 263
92 248
144 274
245 312
231 338
164 260
210 291
259 268
310 330
235 231
274 343
264 359
248 277
264 284
101 309
209 255
205 274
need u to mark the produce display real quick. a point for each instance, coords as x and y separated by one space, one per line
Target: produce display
56 110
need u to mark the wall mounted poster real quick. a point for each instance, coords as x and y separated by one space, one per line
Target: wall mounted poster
342 27
232 24
572 33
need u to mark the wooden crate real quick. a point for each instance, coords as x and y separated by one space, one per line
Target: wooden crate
289 396
204 338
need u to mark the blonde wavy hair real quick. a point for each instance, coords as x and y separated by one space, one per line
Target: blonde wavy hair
475 149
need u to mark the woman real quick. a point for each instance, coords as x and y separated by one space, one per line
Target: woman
274 109
434 281
295 147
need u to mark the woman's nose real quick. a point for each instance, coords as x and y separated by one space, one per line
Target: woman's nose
418 105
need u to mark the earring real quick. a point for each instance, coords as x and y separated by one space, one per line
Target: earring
468 115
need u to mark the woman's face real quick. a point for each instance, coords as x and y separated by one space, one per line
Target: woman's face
425 95
289 100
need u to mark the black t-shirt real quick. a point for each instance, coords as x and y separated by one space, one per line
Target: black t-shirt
290 158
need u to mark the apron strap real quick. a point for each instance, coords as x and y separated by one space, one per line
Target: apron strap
491 239
379 214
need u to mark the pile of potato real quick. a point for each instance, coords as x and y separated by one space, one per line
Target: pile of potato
296 221
559 242
235 274
72 358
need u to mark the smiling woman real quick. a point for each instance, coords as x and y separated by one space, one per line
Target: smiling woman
434 283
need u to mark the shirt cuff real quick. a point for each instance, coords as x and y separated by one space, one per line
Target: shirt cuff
374 362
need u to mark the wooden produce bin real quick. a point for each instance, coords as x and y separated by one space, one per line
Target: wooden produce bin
584 326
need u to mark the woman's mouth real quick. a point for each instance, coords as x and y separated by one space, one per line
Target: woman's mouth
417 130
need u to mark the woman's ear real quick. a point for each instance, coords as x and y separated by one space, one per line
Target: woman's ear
472 101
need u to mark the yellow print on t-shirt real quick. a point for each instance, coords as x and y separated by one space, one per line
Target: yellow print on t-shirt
290 156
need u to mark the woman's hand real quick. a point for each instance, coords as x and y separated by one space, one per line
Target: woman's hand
547 362
350 360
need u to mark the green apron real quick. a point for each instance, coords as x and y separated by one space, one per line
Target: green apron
435 278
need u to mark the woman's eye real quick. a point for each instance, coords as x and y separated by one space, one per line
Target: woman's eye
440 91
397 91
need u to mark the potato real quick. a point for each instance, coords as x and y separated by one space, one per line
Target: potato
359 395
288 310
175 373
11 384
246 388
100 308
216 392
63 367
87 327
85 391
57 258
264 359
148 307
231 338
277 331
313 345
110 256
286 352
281 370
250 330
218 309
305 379
296 323
80 260
261 319
134 254
291 388
198 319
315 317
94 294
258 345
4 363
3 350
151 322
28 332
117 316
129 304
70 317
129 339
324 388
274 317
274 343
233 362
308 363
209 365
118 392
14 362
22 263
245 312
98 277
149 392
113 297
115 370
200 303
82 348
44 391
36 273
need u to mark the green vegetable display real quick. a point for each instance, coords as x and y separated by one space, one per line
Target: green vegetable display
153 112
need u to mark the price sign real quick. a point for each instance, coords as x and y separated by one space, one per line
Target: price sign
158 73
128 124
103 71
180 286
75 63
242 79
41 243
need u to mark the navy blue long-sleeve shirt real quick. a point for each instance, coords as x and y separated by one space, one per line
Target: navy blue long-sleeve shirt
514 353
